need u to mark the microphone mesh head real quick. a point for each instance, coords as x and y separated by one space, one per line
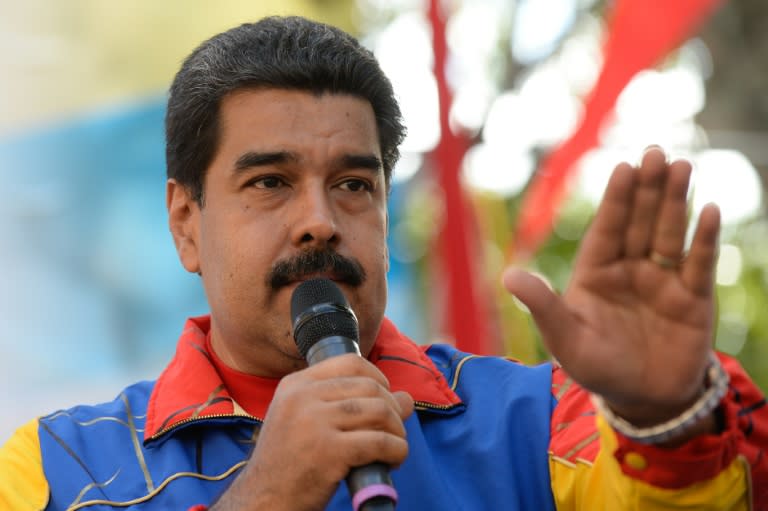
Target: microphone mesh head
322 311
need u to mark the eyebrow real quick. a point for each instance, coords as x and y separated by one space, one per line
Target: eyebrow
253 159
362 161
349 161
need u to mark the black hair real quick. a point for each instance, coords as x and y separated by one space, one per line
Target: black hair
275 52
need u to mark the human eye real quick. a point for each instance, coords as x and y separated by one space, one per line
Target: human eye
266 182
356 185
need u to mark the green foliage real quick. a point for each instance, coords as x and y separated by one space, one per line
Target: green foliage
742 316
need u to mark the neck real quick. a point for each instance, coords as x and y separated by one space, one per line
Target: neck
266 360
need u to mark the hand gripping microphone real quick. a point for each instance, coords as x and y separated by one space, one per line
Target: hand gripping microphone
325 326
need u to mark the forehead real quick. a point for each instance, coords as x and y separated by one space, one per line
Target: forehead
291 117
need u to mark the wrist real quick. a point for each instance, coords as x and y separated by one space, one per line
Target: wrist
696 419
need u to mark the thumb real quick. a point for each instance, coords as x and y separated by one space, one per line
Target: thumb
549 311
405 401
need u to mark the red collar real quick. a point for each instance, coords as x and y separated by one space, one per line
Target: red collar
191 387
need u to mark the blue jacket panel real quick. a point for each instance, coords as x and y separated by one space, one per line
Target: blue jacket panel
490 452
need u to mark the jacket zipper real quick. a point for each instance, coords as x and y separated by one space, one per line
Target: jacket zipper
200 418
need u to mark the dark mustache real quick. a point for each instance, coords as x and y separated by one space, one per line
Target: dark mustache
346 270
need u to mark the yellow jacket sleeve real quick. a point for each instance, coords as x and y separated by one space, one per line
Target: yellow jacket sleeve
603 485
23 486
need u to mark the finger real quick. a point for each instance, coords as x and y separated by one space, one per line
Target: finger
552 317
365 446
347 387
651 178
356 387
345 365
406 403
366 414
699 267
352 387
604 241
669 235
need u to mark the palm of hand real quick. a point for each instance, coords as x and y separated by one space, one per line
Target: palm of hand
631 326
639 335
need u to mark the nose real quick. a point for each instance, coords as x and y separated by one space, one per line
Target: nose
315 224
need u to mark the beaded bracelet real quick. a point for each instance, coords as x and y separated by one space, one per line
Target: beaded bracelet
717 386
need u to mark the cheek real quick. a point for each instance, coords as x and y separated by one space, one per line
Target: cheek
372 245
230 264
378 259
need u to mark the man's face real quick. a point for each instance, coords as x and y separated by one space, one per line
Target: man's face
296 190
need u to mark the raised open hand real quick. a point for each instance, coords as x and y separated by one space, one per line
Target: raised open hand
635 324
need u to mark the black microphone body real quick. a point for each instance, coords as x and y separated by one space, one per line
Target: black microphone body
324 326
332 346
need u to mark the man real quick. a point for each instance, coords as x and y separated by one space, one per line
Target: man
281 138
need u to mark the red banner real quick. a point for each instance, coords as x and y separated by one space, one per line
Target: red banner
465 316
640 33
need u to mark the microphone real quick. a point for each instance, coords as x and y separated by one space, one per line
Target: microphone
325 326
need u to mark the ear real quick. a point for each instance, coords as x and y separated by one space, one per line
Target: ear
184 222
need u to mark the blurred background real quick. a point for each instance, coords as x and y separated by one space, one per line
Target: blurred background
93 297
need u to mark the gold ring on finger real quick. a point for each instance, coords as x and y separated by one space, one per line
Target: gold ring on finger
668 263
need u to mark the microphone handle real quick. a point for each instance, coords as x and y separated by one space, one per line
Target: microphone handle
371 488
378 504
